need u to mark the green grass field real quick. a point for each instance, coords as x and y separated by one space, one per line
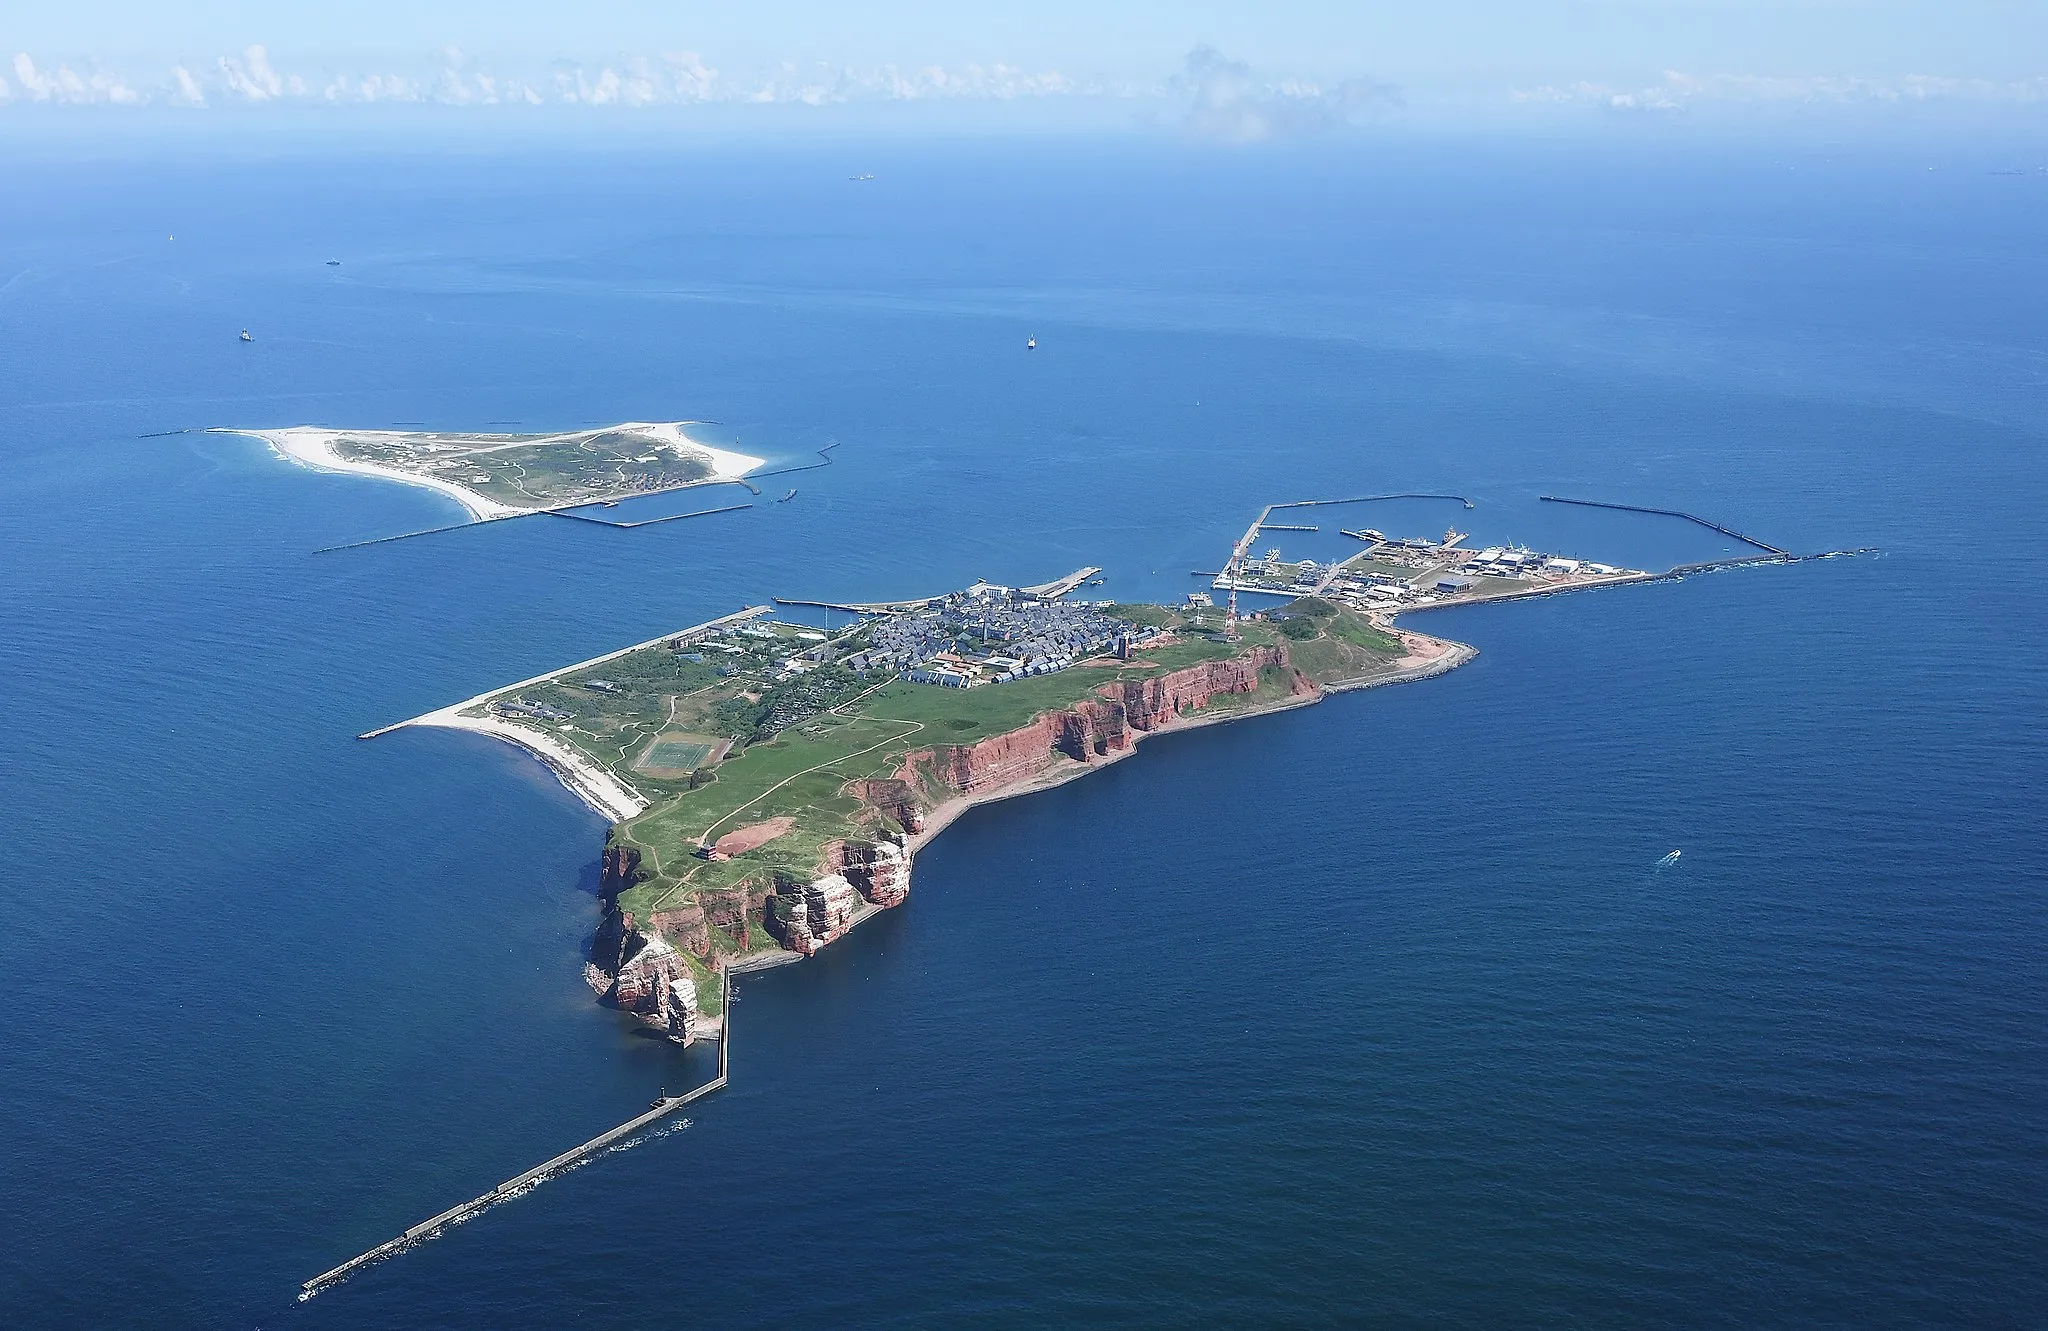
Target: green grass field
803 770
531 471
675 755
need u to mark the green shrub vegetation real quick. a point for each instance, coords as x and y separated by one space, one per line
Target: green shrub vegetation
1145 616
802 742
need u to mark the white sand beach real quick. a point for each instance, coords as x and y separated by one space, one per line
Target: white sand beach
313 446
608 796
596 787
725 464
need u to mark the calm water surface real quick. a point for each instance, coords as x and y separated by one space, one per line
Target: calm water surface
1378 1010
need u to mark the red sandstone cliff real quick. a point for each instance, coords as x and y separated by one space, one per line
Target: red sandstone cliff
1093 729
640 972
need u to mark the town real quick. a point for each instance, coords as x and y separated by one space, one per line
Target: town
990 634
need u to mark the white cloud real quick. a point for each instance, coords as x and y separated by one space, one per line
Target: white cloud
185 89
1225 103
1679 91
65 86
251 77
371 88
450 77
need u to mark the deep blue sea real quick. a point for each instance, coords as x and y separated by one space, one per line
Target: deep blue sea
1375 1012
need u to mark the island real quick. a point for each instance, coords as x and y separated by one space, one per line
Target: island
769 783
510 475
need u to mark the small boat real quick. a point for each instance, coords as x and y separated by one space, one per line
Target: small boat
786 498
334 263
1031 344
246 337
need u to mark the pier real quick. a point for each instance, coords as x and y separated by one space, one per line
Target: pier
1670 513
1058 587
519 1183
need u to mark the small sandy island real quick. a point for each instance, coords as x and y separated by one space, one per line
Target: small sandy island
413 458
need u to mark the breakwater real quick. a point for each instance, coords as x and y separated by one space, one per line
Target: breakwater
1371 499
560 511
521 1183
644 522
1708 523
824 454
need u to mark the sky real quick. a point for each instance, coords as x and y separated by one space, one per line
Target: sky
1243 71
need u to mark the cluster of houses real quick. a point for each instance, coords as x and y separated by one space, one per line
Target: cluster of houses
991 635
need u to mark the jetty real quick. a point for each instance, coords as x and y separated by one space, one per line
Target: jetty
520 1183
1670 513
1058 587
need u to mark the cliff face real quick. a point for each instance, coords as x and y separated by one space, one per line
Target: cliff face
1152 703
1096 729
893 797
807 916
640 972
619 870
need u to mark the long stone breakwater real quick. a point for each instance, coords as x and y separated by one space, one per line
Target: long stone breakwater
1708 523
520 1183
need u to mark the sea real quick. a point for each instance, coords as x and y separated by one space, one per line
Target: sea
1385 1011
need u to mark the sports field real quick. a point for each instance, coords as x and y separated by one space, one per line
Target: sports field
676 755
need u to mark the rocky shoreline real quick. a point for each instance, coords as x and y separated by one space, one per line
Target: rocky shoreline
640 967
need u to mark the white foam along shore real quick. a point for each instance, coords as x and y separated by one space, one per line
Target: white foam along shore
313 446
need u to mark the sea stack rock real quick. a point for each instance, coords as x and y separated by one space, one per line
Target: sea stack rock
637 972
879 871
807 916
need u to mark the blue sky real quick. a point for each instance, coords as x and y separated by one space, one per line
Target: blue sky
1253 69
